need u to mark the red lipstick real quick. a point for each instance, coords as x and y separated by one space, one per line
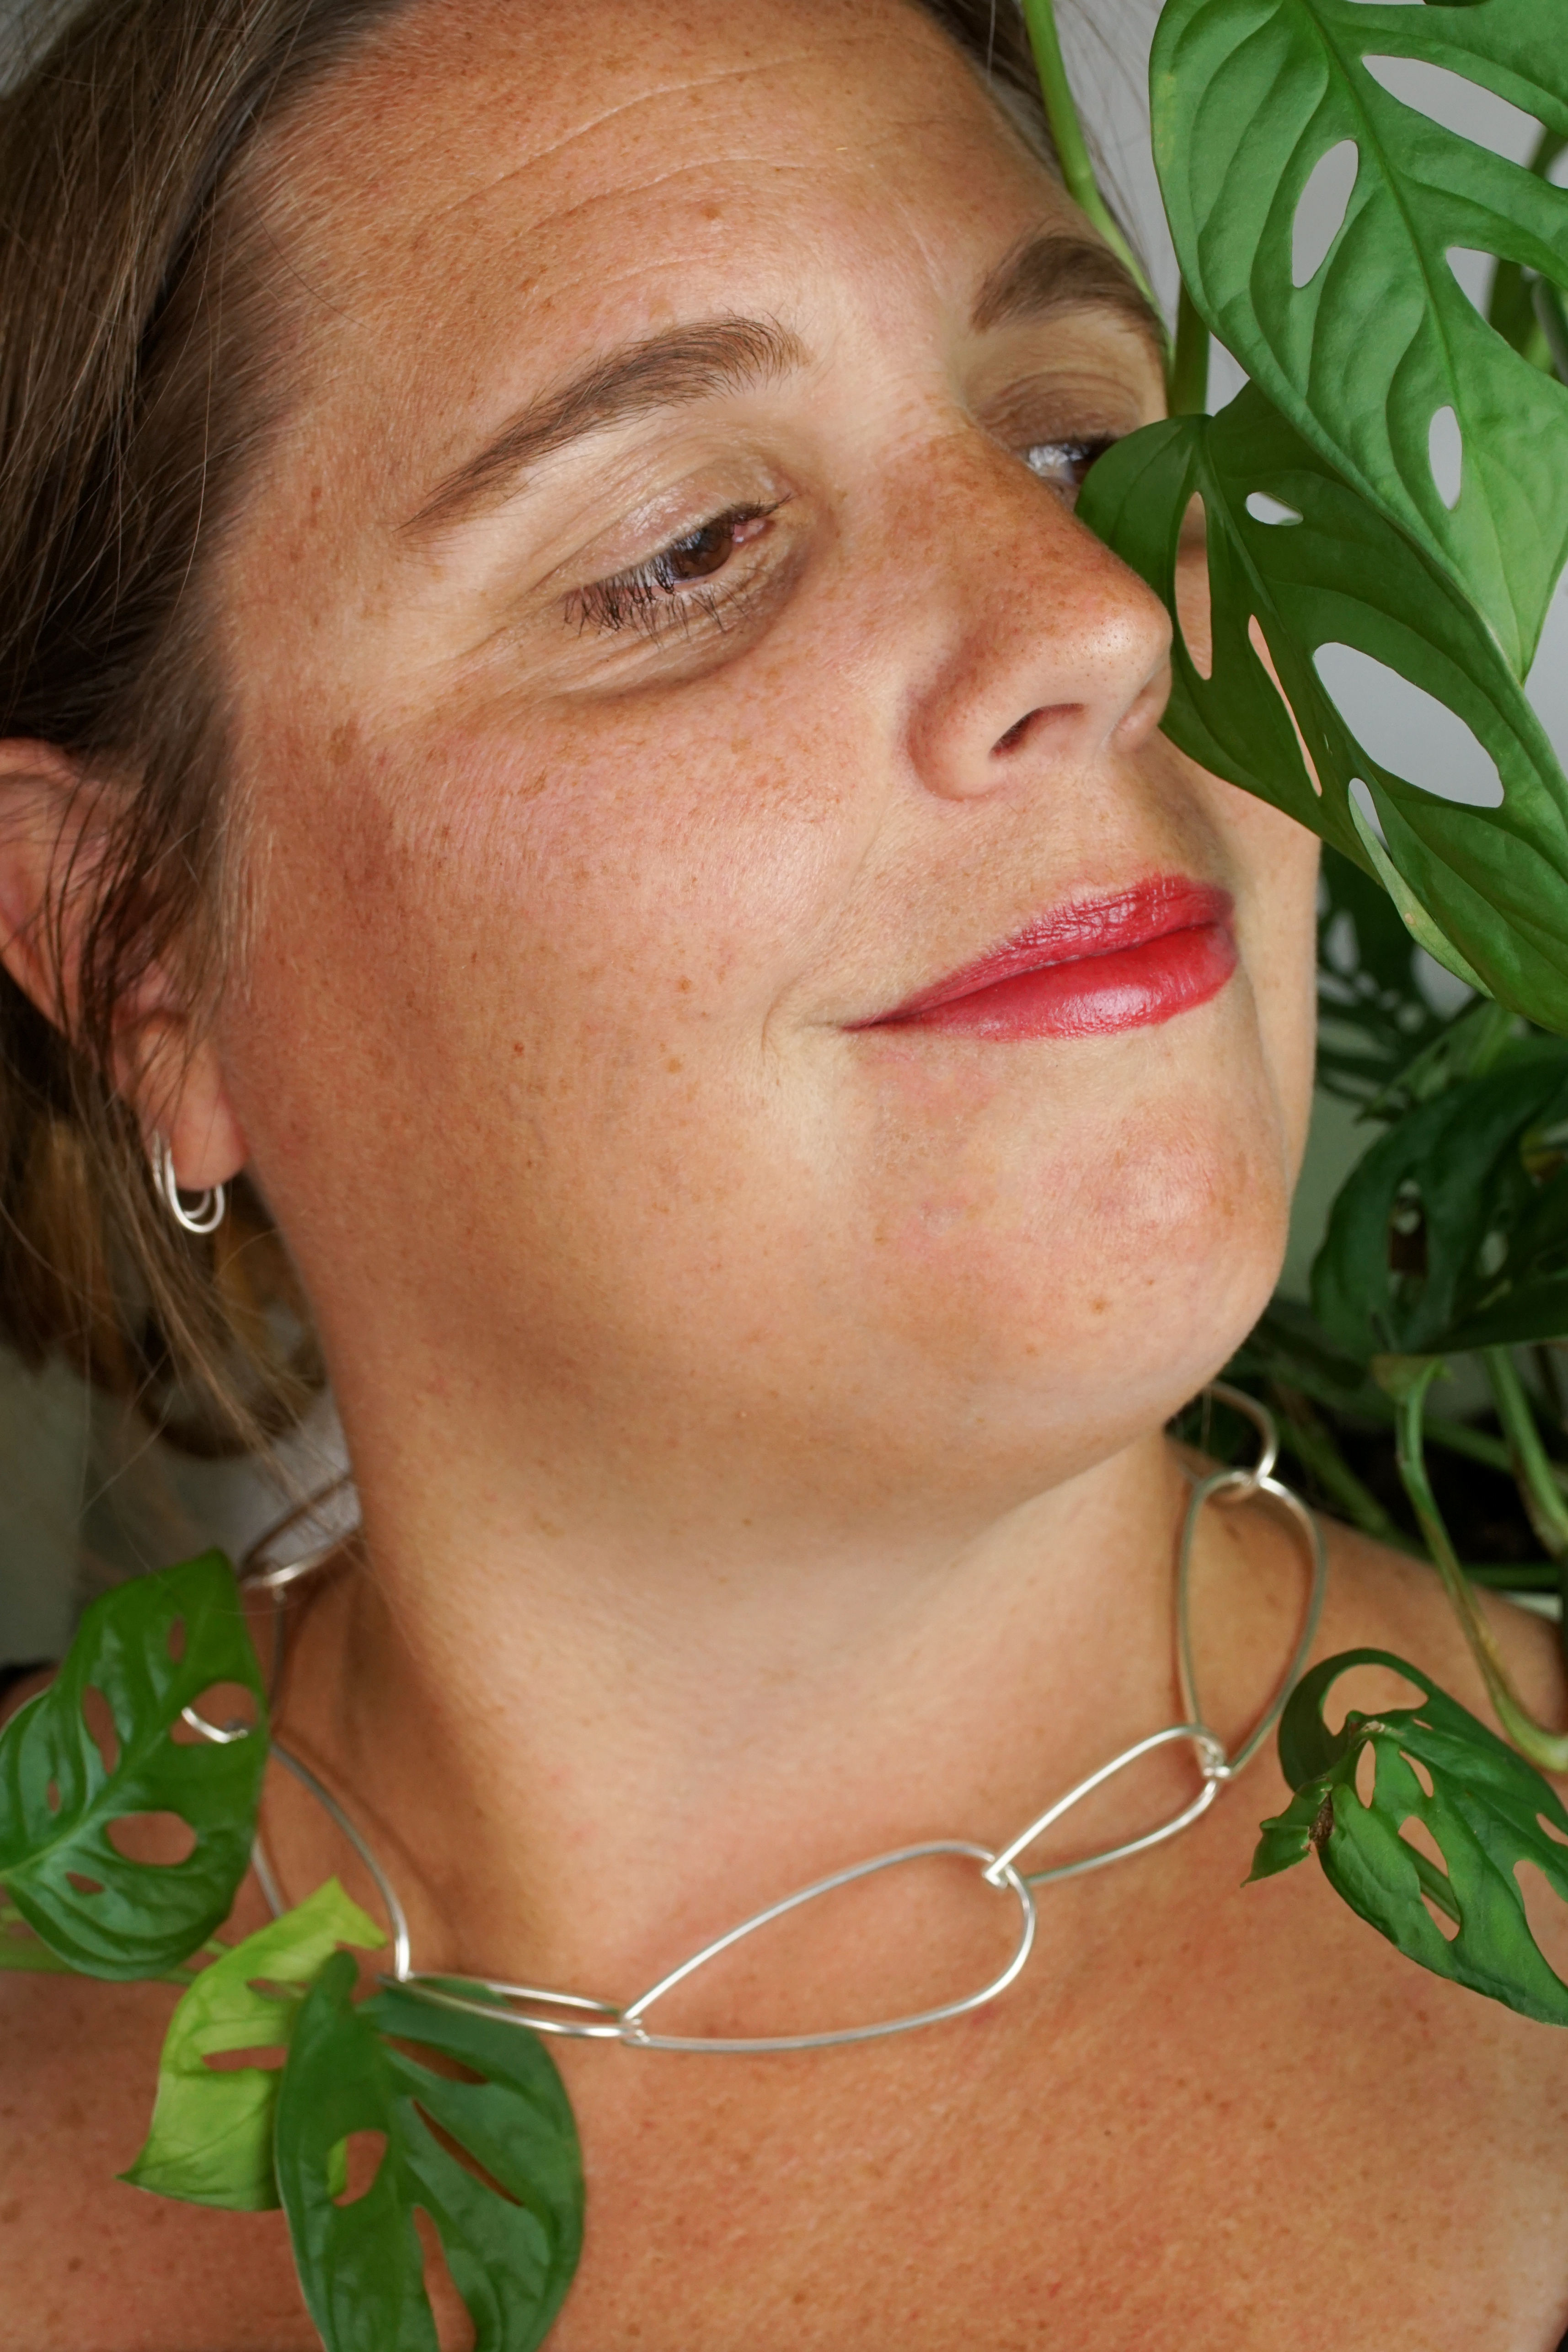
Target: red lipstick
1088 969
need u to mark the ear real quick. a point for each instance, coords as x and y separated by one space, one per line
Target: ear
53 834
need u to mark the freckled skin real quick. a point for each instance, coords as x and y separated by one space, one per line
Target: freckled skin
758 1415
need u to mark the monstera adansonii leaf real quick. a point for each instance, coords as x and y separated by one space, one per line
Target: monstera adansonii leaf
73 1797
1484 1807
1452 1234
1381 348
1297 559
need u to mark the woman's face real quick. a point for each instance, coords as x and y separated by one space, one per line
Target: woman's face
664 650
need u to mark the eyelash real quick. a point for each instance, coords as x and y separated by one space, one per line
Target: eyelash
647 597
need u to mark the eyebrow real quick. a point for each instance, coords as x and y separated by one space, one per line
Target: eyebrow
1047 272
662 370
1063 270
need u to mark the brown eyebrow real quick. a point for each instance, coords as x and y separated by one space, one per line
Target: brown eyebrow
681 363
1059 270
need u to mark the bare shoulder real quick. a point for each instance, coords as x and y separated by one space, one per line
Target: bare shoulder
88 2264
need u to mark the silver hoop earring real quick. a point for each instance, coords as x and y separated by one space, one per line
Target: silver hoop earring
208 1210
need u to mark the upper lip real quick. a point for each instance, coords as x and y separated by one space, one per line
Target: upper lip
1077 932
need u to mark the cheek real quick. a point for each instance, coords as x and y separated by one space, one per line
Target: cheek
1135 1197
588 918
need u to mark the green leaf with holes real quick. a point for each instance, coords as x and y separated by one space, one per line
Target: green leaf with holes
1452 1233
1484 889
493 2163
1248 97
210 2141
1486 1809
150 1649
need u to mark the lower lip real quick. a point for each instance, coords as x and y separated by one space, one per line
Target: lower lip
1093 996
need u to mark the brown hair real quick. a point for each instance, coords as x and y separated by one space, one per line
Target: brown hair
132 401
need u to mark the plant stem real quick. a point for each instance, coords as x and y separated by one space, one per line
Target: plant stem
1542 1497
1303 1430
1549 1749
1071 147
1187 390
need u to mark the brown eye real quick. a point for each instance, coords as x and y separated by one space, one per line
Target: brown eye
709 550
652 589
704 551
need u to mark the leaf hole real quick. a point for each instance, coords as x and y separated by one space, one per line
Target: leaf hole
1445 456
82 1883
1423 1778
1408 730
1340 947
1368 1690
465 2157
1458 104
435 2062
52 1796
1472 274
1321 209
1416 1834
1194 610
454 2328
162 1840
1263 509
177 1638
99 1717
1367 1775
1260 645
268 2057
356 2161
1446 1925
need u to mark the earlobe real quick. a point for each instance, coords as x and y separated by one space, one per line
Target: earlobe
52 833
177 1086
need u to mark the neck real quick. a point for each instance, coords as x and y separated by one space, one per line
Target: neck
580 1755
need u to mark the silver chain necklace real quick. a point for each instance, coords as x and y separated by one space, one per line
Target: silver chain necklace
582 2018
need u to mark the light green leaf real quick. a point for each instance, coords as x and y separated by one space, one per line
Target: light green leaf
511 2232
1486 1811
1494 881
151 1648
211 2137
1248 97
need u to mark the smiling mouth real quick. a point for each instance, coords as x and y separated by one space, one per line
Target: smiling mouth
1088 969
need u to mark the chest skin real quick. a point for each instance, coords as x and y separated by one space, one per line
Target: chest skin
1206 2117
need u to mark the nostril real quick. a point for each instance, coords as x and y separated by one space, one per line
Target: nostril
1018 734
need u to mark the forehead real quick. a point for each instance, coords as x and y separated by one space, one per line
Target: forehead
533 178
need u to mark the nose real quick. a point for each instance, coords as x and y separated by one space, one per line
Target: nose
1034 649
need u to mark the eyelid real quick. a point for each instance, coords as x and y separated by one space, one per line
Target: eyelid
649 603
